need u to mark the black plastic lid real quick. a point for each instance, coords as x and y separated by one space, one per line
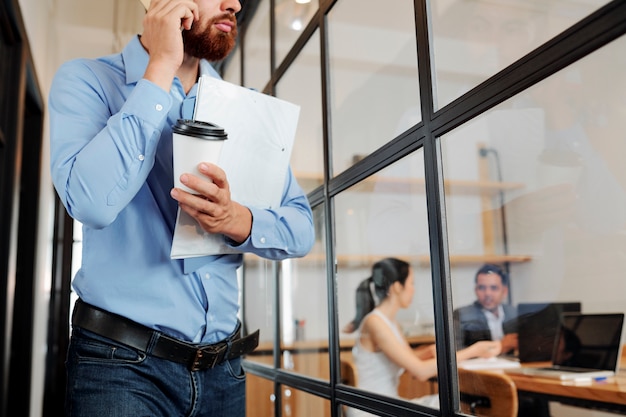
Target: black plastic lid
199 129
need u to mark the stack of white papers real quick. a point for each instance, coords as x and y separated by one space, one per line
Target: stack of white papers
488 363
261 130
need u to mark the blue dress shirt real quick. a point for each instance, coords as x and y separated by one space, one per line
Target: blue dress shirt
111 164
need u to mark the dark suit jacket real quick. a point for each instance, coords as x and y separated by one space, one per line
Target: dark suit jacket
470 324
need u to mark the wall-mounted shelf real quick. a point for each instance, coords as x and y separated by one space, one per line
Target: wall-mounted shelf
366 261
383 184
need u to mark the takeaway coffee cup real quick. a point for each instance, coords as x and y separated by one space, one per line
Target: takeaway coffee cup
195 141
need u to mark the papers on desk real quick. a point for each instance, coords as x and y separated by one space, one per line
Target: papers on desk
261 130
488 363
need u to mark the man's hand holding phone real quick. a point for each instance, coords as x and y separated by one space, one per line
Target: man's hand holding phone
162 37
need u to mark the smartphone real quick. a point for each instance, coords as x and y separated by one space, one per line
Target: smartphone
146 3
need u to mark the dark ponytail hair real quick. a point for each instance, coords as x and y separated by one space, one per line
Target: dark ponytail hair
375 288
387 271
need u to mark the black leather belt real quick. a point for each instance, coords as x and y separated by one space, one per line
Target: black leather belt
137 336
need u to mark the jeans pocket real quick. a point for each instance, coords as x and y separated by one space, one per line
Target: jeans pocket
89 347
234 368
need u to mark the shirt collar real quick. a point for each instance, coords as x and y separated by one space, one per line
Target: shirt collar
500 315
136 60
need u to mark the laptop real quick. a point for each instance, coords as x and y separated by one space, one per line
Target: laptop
586 347
537 324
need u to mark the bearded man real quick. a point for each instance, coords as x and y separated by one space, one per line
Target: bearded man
153 335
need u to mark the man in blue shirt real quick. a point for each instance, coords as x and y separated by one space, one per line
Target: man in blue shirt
154 335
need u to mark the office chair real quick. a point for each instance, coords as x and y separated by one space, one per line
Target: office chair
488 394
348 373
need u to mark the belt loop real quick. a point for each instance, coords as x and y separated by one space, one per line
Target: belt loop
153 341
229 340
229 343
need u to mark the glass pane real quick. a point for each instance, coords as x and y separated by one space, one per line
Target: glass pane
373 72
260 398
537 186
257 64
232 69
385 217
292 16
302 85
473 40
258 301
301 404
304 309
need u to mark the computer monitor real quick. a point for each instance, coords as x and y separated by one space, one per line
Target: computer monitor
537 327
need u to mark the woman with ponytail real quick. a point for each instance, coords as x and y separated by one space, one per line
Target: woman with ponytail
381 353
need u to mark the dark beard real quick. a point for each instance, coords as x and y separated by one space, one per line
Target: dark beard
210 44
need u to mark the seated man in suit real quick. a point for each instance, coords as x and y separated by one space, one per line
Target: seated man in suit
488 318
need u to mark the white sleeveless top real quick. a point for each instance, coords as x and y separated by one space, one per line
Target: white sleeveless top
377 373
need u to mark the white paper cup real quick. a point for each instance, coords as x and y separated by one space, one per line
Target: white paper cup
194 142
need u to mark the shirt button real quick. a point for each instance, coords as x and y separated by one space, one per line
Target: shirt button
262 240
141 157
207 276
158 107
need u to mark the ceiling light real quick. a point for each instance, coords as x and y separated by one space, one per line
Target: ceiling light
296 24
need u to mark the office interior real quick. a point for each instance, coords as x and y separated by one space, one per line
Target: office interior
448 133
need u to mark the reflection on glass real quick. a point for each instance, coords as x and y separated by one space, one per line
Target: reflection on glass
304 309
543 193
301 85
385 217
474 39
301 404
292 16
257 66
258 283
260 397
373 72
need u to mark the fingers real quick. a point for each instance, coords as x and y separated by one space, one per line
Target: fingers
162 38
182 9
215 173
210 202
168 16
214 186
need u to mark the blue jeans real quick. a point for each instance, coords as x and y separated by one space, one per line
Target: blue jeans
106 379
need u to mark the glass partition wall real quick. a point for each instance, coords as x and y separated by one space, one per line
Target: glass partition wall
449 135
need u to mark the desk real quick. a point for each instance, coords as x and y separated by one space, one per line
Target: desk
607 395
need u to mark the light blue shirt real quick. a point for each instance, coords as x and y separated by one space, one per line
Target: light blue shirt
111 164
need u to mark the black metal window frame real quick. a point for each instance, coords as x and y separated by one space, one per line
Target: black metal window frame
595 31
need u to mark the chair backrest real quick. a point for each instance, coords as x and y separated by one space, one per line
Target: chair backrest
348 373
348 377
485 393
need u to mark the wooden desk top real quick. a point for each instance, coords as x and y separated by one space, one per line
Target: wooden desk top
612 390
